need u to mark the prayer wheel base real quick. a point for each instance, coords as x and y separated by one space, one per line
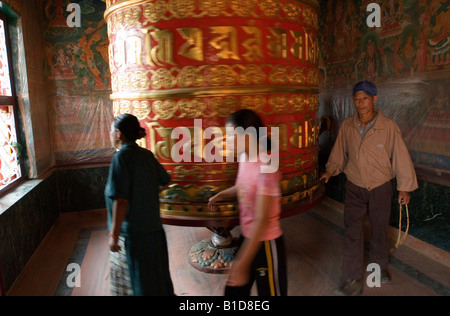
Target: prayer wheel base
214 255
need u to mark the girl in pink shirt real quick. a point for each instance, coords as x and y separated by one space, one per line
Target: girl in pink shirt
261 256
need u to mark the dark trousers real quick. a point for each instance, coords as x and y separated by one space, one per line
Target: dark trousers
148 264
377 205
268 270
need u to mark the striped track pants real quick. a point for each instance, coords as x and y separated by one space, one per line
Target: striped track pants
268 270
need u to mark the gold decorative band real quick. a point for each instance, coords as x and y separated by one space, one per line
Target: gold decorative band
224 209
130 3
122 4
210 91
180 173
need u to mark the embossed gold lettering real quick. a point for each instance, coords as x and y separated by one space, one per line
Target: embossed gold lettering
161 53
278 43
193 48
296 138
134 50
311 48
119 53
253 45
226 42
297 46
305 134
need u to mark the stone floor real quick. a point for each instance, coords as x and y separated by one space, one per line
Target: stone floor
314 250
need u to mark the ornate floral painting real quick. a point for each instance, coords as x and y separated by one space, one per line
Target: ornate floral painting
408 58
78 70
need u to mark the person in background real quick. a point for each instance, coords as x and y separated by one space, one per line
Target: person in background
370 150
261 255
137 240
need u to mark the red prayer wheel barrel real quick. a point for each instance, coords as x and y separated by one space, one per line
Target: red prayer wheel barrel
191 63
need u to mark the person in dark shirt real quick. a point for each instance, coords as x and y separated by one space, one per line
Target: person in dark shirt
137 240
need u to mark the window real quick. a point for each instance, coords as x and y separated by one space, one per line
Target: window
10 170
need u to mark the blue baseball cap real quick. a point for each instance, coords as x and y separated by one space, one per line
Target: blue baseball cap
366 86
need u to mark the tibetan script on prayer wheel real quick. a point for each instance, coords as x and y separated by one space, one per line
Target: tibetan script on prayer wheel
191 63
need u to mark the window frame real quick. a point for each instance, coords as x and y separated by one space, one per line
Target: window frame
11 101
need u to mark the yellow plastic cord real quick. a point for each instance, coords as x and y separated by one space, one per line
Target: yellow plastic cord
400 238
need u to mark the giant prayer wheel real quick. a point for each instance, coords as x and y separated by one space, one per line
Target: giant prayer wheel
191 63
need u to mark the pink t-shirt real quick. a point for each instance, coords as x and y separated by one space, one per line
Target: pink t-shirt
250 183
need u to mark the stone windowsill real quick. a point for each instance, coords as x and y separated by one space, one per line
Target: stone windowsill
11 198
